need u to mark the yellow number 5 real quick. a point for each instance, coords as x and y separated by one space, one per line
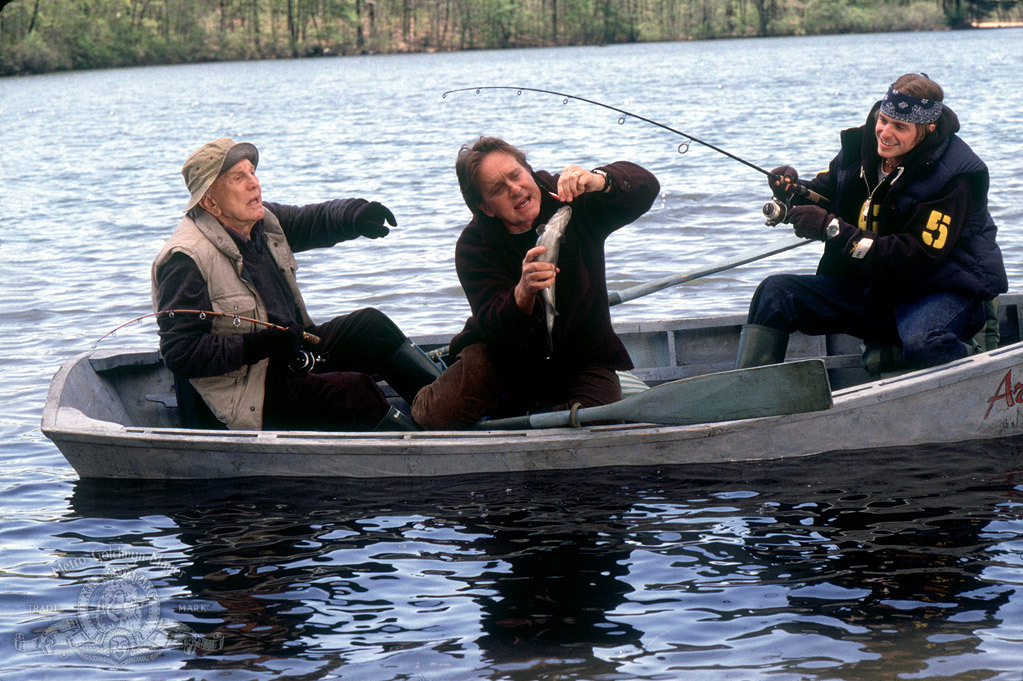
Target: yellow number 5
936 231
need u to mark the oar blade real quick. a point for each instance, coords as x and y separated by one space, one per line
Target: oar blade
772 390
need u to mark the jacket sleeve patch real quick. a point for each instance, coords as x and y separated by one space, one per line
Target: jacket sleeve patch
861 248
935 234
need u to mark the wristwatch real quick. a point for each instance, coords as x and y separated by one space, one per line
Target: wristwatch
832 229
607 179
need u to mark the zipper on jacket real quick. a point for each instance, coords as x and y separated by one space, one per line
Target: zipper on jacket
866 212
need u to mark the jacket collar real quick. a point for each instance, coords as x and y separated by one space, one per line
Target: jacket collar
217 235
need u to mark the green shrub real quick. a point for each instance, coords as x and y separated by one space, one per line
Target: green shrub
33 55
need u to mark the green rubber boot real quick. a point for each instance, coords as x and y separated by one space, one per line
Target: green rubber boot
760 345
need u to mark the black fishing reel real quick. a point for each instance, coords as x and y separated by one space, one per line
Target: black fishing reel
775 212
304 361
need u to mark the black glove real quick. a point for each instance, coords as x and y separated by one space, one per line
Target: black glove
781 189
272 344
809 221
369 220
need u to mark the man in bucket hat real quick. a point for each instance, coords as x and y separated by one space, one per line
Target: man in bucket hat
233 254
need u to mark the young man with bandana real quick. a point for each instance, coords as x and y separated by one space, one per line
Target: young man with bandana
910 258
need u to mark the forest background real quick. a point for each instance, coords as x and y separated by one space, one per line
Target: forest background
38 36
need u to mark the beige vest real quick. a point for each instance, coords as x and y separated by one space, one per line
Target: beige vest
235 398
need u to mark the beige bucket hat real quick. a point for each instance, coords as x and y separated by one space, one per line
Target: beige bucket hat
212 160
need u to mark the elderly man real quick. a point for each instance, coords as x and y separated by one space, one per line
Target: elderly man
508 359
233 254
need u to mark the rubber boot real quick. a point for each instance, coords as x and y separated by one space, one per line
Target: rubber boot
883 361
760 345
408 370
395 421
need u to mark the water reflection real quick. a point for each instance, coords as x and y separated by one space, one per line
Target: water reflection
859 563
294 569
900 573
556 570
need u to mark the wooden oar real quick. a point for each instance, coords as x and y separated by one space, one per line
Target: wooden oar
788 388
773 248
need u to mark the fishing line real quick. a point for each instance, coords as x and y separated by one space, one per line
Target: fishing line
203 314
682 148
625 115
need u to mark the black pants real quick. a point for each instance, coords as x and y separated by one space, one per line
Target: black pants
340 393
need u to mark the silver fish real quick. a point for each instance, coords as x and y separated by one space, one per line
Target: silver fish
550 235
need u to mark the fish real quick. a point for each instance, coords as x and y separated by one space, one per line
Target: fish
550 235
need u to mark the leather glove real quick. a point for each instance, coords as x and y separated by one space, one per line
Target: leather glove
272 344
782 190
369 220
809 221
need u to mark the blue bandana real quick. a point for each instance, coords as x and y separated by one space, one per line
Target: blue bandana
910 109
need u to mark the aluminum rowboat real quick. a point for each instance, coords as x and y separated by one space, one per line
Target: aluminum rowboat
113 414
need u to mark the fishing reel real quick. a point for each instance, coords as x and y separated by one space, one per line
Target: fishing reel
304 361
775 212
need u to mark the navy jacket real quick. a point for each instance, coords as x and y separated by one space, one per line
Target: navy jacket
923 229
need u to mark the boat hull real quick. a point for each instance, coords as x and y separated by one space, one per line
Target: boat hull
977 398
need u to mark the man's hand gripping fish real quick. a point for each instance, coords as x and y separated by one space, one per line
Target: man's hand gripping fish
550 236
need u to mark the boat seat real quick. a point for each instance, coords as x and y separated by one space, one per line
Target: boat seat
192 410
631 383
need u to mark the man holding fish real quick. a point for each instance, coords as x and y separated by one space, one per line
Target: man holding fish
527 347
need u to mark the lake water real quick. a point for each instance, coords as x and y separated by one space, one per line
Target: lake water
900 564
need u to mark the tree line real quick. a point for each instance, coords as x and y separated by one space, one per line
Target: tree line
47 35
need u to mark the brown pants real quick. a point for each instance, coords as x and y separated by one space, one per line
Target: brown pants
472 387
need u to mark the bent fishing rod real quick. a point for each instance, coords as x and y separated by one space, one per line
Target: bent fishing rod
203 314
682 148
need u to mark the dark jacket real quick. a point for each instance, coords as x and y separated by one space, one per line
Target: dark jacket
488 259
928 220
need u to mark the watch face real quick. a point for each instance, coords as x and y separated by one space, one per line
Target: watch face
832 228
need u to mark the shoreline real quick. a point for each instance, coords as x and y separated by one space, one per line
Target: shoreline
328 52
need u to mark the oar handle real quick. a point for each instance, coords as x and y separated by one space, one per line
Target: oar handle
551 419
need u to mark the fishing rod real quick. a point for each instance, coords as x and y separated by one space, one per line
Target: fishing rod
203 314
682 148
771 210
